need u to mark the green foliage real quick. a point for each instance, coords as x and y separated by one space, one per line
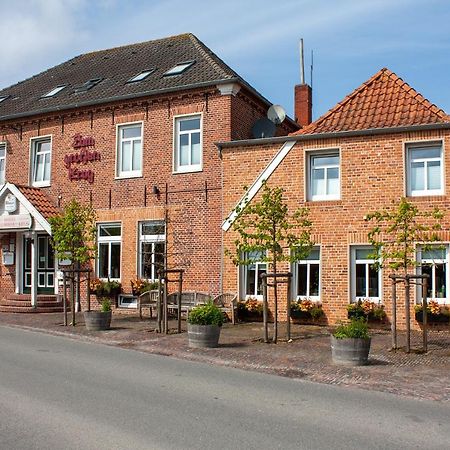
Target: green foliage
367 310
105 288
266 226
105 304
208 314
73 233
397 231
356 329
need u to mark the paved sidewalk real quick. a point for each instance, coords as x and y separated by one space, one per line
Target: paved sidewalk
308 356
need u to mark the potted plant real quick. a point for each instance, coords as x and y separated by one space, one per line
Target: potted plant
250 310
139 286
204 324
435 313
365 309
306 309
350 343
99 320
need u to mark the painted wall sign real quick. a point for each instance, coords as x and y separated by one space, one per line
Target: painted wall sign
16 222
84 156
10 203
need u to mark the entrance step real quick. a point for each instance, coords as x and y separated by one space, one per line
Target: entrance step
21 303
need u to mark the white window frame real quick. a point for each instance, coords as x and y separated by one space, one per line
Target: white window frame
149 239
332 152
176 147
367 263
128 305
243 275
295 273
109 240
433 262
33 158
119 141
3 145
424 145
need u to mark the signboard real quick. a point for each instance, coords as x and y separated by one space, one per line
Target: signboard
10 203
16 222
83 156
8 258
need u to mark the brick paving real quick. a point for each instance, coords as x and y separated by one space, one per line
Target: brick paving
307 357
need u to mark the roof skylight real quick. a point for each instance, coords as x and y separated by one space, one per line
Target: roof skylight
3 98
88 85
54 91
179 68
141 76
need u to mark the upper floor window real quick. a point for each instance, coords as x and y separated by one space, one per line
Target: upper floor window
41 158
2 163
188 144
307 276
251 284
434 263
324 176
365 279
129 150
152 238
425 170
109 239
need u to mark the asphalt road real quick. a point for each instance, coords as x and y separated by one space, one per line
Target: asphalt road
57 393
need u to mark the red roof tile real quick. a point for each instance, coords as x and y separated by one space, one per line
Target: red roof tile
384 101
40 201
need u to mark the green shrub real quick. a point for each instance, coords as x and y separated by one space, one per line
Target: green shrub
356 329
208 314
106 305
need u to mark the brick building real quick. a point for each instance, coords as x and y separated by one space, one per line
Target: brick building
382 142
130 130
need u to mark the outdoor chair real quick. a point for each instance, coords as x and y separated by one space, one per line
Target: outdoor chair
149 300
188 300
227 302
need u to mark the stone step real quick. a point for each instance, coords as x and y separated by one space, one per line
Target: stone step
29 309
27 297
22 304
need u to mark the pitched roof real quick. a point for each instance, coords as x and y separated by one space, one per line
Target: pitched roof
40 201
384 101
115 67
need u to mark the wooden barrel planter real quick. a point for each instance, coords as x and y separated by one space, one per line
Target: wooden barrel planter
203 336
97 320
350 351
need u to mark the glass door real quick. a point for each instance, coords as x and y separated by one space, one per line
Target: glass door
46 266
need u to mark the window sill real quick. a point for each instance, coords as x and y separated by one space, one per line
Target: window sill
422 194
40 185
127 177
187 170
336 201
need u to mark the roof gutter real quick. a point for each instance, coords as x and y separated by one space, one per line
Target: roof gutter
337 134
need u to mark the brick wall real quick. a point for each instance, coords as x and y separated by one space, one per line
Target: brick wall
192 202
372 177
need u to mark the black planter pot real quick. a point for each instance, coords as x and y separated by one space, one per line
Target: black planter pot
351 351
97 320
203 336
432 318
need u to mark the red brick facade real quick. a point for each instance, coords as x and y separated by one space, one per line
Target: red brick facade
191 203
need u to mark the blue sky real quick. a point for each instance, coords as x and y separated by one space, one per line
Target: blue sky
351 39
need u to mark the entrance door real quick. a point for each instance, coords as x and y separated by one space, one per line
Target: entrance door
46 266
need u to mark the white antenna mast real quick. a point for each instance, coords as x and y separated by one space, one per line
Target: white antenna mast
302 63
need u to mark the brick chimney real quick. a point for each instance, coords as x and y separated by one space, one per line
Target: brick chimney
303 104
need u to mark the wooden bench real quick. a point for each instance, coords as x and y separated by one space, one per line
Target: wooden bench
147 300
227 302
188 300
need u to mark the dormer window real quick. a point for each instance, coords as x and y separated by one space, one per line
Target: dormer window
179 68
54 91
141 76
88 85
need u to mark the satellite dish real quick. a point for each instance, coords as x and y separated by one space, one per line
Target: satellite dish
276 114
263 128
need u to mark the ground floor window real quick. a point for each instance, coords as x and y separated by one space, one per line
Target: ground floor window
306 276
434 263
251 285
152 242
365 279
109 238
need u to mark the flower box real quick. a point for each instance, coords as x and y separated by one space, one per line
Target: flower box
432 318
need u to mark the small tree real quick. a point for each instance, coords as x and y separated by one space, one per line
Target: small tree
397 231
267 227
394 238
73 236
73 233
